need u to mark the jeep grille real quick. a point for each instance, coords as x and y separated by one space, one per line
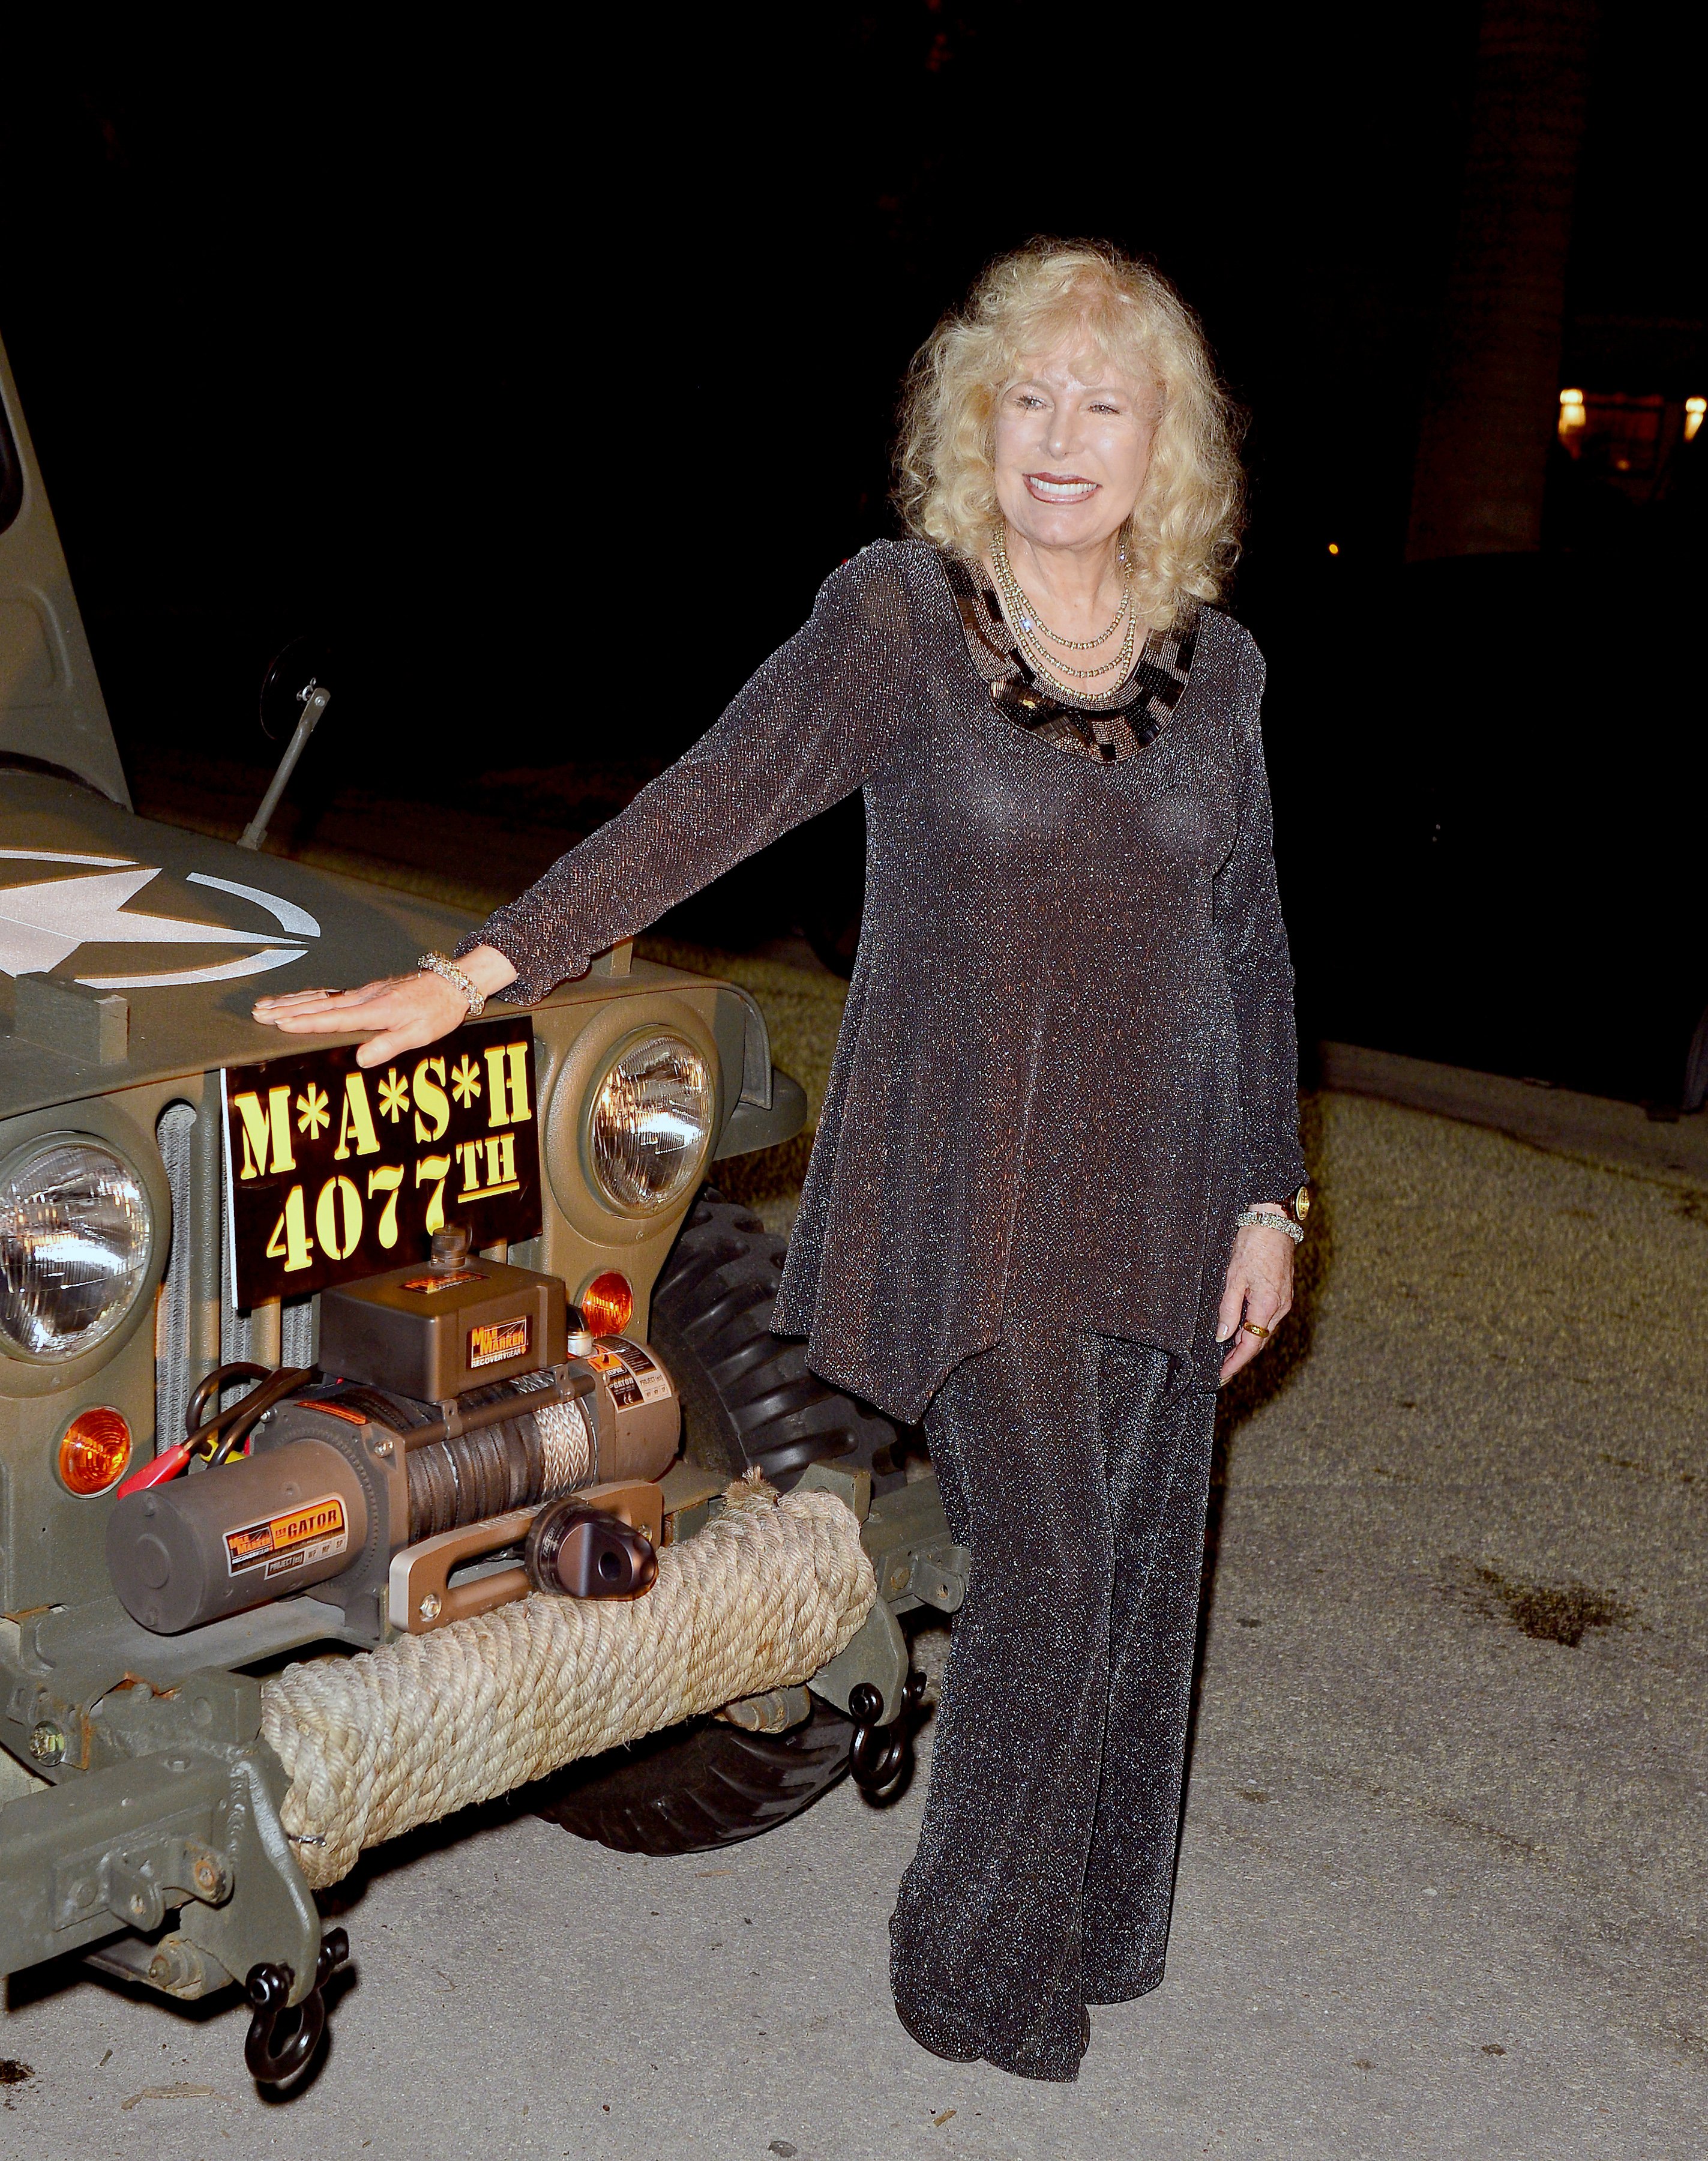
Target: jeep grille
187 1341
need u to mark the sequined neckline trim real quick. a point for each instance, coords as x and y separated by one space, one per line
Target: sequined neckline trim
1105 730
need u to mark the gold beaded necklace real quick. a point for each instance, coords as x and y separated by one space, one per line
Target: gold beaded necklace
1027 622
1011 584
1055 670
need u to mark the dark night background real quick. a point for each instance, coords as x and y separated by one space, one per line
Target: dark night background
544 380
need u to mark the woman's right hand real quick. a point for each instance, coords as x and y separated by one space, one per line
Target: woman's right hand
403 1012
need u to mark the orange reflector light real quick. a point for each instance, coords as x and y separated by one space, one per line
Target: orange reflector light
608 1303
96 1449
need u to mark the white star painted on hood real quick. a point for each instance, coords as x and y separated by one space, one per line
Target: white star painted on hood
42 924
298 920
251 963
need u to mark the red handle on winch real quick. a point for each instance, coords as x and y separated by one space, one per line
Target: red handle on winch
158 1470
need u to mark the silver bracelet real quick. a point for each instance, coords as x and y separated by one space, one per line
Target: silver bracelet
442 966
1271 1219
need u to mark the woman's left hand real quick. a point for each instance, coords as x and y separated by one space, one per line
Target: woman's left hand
1259 1293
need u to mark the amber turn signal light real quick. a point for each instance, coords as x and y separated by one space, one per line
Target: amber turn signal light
608 1302
94 1452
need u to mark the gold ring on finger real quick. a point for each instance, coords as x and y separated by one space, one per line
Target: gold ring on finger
1255 1328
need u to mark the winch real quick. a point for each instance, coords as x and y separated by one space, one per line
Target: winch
460 1408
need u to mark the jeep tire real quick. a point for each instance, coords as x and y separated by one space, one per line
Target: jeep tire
749 1403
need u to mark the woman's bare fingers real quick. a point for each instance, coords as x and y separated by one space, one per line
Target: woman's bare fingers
1267 1301
286 1001
1242 1349
269 1011
1258 1297
326 1012
1255 1328
398 1013
324 1019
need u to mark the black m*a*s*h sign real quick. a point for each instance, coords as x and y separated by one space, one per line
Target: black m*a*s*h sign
333 1172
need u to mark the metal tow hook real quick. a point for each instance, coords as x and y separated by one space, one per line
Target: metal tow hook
283 2038
877 1753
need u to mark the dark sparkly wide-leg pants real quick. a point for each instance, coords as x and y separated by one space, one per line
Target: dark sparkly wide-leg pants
1077 1471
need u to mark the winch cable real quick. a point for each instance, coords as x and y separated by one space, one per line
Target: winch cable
505 1445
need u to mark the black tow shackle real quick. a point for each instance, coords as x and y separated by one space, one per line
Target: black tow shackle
577 1552
284 2037
877 1754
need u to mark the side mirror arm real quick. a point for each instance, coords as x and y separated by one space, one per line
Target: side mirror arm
314 705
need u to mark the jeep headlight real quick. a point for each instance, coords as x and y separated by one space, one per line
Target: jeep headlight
650 1122
74 1248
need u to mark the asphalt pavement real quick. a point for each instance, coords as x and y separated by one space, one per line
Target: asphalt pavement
1441 1883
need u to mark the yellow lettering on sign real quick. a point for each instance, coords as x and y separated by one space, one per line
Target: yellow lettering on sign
338 1219
431 1101
499 1151
429 1168
266 1133
386 1178
290 1242
507 1097
468 1155
357 1119
501 1165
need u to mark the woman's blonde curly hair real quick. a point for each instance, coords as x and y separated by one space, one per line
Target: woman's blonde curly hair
1184 534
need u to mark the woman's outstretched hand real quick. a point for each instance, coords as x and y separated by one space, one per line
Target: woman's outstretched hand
1259 1291
403 1012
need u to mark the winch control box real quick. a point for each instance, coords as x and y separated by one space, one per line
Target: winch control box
444 1327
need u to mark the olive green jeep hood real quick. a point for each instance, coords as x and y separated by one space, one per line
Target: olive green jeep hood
131 951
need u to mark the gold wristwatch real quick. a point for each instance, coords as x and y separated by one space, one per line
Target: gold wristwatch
1295 1208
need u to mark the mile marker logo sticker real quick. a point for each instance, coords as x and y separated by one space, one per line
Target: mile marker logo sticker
279 1544
495 1340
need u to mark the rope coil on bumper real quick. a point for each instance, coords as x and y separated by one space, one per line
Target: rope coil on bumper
376 1744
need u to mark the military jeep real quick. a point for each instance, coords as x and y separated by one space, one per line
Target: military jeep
213 1242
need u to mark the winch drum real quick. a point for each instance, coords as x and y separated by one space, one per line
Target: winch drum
221 1540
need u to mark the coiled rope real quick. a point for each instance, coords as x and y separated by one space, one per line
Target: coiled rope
378 1743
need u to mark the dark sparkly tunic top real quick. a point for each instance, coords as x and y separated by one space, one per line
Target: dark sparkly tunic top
1068 1058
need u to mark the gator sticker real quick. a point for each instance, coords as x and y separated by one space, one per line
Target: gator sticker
280 1545
630 1375
495 1340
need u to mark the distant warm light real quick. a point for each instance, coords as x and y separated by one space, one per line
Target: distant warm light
1694 408
1334 547
1571 412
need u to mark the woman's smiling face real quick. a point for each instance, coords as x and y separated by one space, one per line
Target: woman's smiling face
1072 444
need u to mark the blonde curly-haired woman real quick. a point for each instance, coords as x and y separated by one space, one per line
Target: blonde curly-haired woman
1057 1182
